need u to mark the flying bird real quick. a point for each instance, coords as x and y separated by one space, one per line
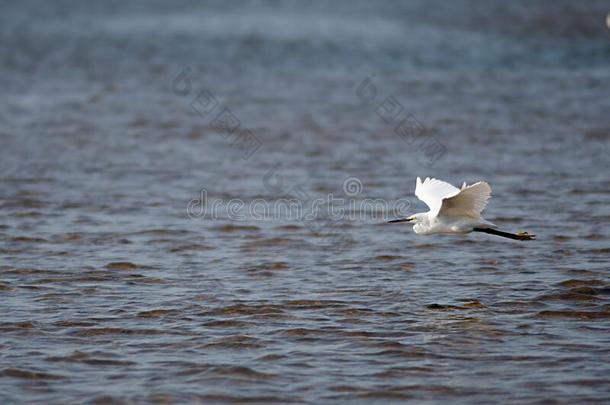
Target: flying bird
454 210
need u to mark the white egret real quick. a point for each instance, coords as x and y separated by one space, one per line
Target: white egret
454 210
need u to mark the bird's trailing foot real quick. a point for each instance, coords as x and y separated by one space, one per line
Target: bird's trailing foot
525 236
515 236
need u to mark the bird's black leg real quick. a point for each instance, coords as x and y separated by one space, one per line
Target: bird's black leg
515 236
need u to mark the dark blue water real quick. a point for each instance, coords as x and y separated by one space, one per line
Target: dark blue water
117 287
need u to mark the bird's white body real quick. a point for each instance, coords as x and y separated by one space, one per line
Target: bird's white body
429 224
452 210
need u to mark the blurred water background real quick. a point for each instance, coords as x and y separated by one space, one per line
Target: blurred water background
111 291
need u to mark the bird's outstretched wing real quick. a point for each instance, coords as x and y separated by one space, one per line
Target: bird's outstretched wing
432 192
469 201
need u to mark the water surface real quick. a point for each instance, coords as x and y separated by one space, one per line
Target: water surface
111 291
